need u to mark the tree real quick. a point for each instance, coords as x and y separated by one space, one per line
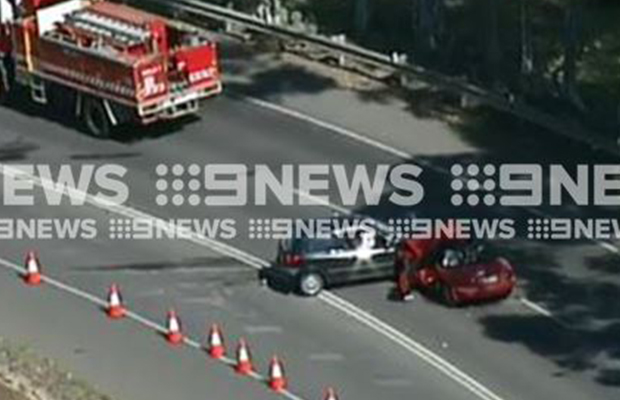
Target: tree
428 25
493 54
572 50
527 48
362 16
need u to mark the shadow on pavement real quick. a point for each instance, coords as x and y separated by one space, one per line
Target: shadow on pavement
16 150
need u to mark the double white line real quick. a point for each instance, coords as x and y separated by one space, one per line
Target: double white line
380 327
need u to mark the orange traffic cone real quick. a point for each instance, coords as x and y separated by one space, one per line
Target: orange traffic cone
32 276
174 334
115 309
216 343
330 394
277 380
244 360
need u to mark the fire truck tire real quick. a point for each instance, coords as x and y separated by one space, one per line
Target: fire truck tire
96 118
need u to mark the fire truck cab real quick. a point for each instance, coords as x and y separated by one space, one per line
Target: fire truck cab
110 63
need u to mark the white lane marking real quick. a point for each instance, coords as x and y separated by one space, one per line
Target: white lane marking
195 344
262 329
319 201
535 307
391 150
133 213
609 247
393 382
411 345
380 327
326 357
329 126
544 312
377 144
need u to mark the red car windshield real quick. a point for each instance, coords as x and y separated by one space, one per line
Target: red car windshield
458 257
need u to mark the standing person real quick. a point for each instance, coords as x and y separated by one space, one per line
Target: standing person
415 251
403 281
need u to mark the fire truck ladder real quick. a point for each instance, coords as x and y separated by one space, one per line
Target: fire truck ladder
126 33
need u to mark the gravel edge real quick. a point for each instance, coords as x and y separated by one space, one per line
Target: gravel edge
38 378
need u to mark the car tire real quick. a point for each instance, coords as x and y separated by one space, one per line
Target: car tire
6 82
96 118
311 284
448 296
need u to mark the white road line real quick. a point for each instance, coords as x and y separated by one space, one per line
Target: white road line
535 307
380 327
379 145
391 150
433 359
329 126
609 247
262 329
195 344
326 357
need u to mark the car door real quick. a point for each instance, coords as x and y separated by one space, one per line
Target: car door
382 266
427 274
368 256
332 257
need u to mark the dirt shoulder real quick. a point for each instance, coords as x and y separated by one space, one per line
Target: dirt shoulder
25 376
9 394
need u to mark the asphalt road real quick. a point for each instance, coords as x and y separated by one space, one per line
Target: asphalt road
204 287
509 348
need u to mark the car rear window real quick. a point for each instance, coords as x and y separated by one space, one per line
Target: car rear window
308 246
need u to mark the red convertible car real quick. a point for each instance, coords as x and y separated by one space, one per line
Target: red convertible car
458 271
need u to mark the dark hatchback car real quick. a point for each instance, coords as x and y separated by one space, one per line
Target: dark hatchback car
355 254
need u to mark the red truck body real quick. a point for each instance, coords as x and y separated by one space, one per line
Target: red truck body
138 66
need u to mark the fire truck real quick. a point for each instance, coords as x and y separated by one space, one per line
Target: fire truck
110 64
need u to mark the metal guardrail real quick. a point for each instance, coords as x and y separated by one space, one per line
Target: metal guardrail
497 101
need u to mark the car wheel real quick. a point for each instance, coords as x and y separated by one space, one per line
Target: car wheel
5 83
311 284
96 118
449 297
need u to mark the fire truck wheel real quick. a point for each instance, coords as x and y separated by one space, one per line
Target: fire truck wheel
96 118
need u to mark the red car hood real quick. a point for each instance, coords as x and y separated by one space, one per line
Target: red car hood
470 274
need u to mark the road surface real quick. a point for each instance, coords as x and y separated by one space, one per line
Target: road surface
509 348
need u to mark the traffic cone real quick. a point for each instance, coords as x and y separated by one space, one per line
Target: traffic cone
277 380
244 360
33 269
174 334
115 309
330 394
216 343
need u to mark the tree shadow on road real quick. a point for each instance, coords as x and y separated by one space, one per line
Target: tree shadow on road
574 279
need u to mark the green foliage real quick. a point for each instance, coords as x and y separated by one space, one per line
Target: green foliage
490 41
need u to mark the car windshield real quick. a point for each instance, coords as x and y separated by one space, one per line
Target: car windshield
460 257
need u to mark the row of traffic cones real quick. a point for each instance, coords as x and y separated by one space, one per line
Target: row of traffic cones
115 309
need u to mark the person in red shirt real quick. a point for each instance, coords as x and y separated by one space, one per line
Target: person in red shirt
413 252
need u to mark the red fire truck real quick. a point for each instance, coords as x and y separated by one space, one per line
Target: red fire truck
111 64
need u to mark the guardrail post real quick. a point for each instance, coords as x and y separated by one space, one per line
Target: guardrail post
276 11
340 39
400 59
228 25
